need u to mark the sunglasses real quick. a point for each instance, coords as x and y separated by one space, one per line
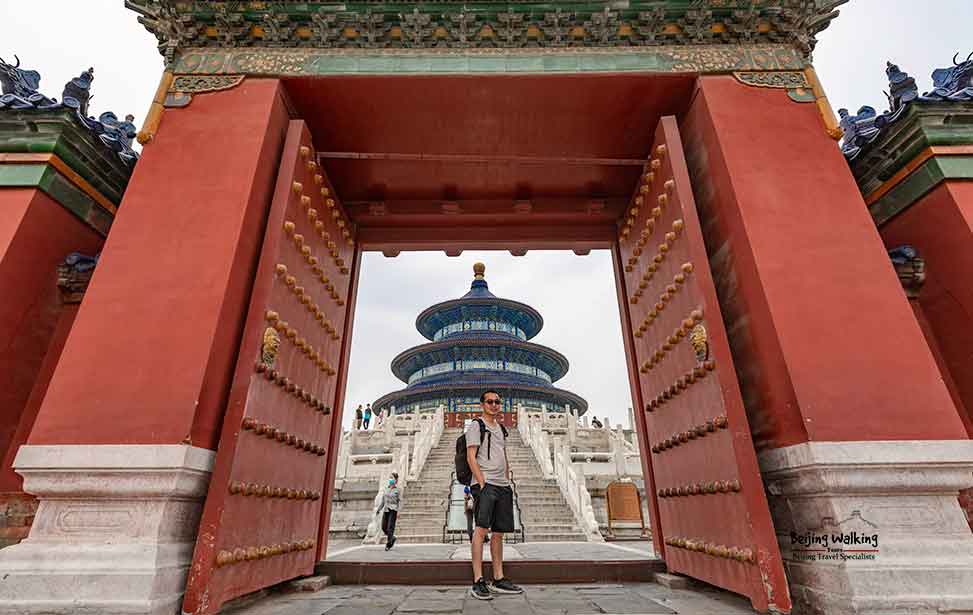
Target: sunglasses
492 402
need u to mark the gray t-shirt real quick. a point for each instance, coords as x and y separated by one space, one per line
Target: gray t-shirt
495 468
390 500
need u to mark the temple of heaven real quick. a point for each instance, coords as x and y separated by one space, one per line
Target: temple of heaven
476 342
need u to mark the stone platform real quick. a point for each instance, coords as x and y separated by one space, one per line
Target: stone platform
540 562
354 551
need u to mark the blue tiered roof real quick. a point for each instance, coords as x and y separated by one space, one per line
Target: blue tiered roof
480 341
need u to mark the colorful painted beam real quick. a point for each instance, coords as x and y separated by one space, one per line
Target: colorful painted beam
467 25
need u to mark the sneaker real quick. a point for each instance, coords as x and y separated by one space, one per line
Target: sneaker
390 543
504 586
480 591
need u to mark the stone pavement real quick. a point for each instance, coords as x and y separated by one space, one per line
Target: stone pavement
625 599
354 551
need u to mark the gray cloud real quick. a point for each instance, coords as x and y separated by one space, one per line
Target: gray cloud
576 295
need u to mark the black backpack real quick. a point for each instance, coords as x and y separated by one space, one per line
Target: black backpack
464 474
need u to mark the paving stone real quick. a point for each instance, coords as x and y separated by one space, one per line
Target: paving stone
501 605
434 600
360 610
588 551
606 588
398 553
672 581
615 599
563 607
296 607
431 606
308 584
454 592
630 603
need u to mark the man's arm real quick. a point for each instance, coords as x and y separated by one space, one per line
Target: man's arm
474 466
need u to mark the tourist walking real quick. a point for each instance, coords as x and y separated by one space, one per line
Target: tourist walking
358 417
493 499
368 415
390 510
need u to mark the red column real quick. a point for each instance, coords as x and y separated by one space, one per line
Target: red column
940 227
829 349
855 429
36 233
136 401
150 358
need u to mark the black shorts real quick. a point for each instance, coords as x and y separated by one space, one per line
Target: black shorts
493 508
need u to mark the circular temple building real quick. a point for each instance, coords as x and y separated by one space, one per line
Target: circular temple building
476 342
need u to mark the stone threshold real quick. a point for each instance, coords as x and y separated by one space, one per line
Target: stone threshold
457 572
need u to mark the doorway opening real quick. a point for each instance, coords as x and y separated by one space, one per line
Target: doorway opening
542 330
452 164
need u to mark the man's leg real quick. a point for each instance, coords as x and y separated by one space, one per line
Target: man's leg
476 553
503 521
496 554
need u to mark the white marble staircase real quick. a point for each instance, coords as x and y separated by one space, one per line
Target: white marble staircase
546 515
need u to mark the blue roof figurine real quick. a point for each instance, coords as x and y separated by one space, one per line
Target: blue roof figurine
953 83
18 90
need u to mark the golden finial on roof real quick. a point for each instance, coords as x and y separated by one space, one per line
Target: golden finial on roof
478 270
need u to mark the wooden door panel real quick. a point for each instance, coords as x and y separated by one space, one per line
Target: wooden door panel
713 515
261 521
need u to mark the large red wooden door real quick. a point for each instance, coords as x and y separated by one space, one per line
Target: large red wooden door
263 515
713 521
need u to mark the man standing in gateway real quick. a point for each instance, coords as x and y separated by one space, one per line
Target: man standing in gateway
493 499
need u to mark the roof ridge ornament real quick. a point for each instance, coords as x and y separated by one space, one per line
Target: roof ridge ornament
18 90
479 269
951 84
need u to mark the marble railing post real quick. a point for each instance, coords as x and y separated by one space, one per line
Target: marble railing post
572 419
344 455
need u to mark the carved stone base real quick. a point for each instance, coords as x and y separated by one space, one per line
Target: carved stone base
114 531
912 549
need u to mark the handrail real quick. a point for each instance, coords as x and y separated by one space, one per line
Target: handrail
426 439
520 513
344 456
400 466
449 501
533 434
573 486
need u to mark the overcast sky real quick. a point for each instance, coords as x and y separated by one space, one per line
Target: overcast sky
576 295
